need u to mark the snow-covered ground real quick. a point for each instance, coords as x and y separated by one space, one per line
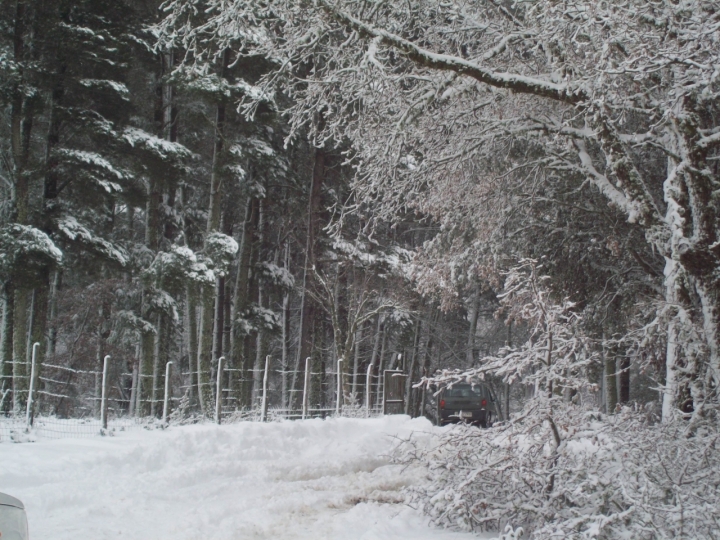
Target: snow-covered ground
309 479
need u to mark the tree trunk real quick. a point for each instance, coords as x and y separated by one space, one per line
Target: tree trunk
147 360
17 100
345 324
356 362
165 326
20 351
97 405
380 368
610 380
206 359
240 299
205 340
261 338
623 371
52 314
422 368
474 312
317 365
285 333
166 336
150 334
671 366
6 353
19 139
20 122
426 366
169 132
507 385
191 335
219 325
307 315
698 250
374 356
674 291
216 178
307 306
38 327
325 355
411 367
50 208
226 341
250 339
260 342
548 362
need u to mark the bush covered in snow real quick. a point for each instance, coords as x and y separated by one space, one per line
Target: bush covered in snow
559 468
562 471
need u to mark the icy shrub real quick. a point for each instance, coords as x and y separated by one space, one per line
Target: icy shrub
182 414
354 408
560 471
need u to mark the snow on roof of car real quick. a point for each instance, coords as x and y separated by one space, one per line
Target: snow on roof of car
8 500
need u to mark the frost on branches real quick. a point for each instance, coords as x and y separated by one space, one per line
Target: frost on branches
473 112
559 468
554 358
579 475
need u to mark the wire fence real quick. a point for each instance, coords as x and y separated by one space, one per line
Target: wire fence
66 402
16 429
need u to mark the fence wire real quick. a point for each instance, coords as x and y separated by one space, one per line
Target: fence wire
71 402
15 428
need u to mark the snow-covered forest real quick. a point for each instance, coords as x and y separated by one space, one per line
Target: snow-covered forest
520 193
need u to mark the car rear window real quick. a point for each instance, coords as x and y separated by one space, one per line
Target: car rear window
463 391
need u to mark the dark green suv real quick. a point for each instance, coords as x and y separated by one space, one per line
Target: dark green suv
469 403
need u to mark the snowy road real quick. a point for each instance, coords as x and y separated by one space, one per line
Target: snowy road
292 480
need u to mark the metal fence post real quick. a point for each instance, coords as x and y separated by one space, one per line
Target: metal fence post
218 396
338 408
167 392
28 414
305 388
263 411
424 389
368 382
103 393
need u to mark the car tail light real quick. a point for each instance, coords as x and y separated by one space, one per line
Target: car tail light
442 403
483 402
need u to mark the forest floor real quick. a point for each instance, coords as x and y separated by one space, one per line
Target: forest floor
313 479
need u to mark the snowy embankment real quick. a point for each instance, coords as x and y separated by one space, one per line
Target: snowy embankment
314 479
